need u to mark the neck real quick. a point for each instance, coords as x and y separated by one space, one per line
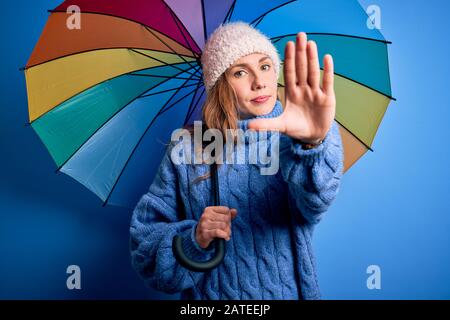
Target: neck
276 111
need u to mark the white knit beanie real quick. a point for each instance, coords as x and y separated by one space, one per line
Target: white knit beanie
227 44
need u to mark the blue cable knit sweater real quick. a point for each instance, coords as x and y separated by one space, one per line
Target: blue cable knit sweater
269 255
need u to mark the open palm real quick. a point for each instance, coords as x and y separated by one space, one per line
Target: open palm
310 107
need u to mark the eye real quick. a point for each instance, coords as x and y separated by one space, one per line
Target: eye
265 67
239 73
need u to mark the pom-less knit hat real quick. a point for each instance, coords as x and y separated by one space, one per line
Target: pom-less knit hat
227 44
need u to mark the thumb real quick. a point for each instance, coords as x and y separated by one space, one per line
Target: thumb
233 213
273 124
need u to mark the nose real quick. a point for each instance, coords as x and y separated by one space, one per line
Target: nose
258 82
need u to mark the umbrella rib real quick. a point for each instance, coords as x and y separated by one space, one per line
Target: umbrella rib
193 108
277 38
190 105
369 148
204 20
260 18
115 16
181 31
230 12
176 19
266 13
387 51
154 76
364 85
163 91
156 36
131 101
167 108
85 51
167 64
389 71
120 75
135 147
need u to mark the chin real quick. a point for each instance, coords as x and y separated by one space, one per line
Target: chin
263 109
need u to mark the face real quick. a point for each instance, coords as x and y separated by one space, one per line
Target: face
254 80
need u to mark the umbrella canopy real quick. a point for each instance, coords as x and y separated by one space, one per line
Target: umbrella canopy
105 98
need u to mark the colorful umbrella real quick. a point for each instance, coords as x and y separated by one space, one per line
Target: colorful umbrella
105 98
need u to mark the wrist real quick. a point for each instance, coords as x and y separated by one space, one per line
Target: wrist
306 145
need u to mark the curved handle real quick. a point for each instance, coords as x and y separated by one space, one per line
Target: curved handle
188 263
219 243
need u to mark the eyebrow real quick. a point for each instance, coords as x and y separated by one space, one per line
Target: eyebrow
246 64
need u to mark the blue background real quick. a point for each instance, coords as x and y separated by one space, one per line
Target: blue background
392 209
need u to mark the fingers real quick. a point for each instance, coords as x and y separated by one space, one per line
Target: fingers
302 67
218 214
206 236
289 67
211 225
220 209
273 124
313 65
301 60
328 74
218 233
209 229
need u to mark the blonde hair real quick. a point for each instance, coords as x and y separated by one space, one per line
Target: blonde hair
219 112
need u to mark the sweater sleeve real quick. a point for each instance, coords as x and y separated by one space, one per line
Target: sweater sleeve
156 219
313 176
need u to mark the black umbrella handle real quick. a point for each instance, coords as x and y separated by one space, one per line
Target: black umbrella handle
219 243
188 263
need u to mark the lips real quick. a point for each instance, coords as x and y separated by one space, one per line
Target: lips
261 99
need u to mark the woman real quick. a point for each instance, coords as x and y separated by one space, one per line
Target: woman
267 220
